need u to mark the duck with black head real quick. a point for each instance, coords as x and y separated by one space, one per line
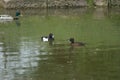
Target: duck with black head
50 37
73 43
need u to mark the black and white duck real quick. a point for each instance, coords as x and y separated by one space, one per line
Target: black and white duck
50 37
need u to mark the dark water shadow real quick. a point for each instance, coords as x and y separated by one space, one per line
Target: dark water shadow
17 22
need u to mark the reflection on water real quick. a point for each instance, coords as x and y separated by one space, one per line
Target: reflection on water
18 62
24 57
17 22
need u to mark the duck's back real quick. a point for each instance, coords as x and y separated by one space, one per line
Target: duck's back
44 38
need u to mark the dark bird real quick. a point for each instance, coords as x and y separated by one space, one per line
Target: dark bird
73 43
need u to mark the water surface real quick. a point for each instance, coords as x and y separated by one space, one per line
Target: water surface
23 56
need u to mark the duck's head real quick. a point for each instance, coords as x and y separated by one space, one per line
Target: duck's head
51 36
71 40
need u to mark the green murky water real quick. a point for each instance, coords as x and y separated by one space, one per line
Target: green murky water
23 56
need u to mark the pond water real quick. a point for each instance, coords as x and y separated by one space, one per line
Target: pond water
23 56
